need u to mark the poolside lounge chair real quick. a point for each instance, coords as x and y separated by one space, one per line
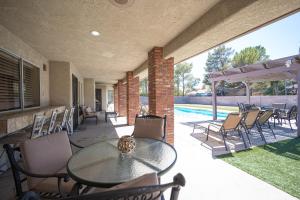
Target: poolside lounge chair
231 123
263 121
249 121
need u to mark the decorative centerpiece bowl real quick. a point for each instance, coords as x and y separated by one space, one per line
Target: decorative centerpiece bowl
126 144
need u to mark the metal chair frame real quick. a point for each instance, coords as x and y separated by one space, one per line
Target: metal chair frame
138 193
37 127
17 170
51 127
291 114
260 124
224 131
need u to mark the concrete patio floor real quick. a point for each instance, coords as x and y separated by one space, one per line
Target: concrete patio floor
206 177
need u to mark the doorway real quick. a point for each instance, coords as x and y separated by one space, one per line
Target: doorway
75 101
98 100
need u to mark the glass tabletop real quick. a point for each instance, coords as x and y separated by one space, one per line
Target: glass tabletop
103 165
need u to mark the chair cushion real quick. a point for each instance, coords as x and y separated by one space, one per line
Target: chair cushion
45 155
88 109
149 128
51 185
145 180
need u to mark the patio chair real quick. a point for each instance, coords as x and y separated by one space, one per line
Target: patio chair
263 121
62 123
37 126
289 115
88 113
110 112
277 109
45 159
231 123
49 128
249 121
144 187
69 125
150 126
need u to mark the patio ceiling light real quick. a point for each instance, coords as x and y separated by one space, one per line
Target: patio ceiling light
95 33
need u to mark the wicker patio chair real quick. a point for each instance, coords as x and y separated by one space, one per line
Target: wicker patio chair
45 159
263 121
150 126
289 115
249 121
231 123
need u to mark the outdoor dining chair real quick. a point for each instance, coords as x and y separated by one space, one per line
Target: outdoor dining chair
69 125
289 115
49 128
231 123
37 126
145 187
45 159
62 123
150 126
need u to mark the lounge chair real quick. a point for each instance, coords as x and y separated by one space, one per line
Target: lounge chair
231 123
263 121
249 121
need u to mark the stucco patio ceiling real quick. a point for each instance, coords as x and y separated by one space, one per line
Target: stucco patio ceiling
60 30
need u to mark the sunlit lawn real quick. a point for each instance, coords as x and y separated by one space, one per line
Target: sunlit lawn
277 164
208 107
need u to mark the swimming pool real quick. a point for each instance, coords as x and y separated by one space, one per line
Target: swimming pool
182 110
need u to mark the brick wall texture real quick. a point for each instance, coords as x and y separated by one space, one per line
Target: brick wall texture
116 98
161 88
122 102
133 99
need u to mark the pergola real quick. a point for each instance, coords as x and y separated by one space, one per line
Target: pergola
272 70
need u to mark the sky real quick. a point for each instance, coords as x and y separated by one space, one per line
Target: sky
280 39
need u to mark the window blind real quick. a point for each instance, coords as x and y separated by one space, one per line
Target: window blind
31 81
9 82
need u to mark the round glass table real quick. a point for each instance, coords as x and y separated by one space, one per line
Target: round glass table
103 165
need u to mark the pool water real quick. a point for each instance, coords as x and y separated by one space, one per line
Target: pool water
182 110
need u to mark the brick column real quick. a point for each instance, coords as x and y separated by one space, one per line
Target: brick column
161 88
116 98
122 100
133 97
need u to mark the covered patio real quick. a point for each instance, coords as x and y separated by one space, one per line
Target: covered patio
66 64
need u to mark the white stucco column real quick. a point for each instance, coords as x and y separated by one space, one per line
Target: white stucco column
214 99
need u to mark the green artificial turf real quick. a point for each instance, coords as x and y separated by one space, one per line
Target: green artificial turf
209 107
277 164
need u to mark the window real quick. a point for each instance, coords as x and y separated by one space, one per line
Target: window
11 83
31 80
110 96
